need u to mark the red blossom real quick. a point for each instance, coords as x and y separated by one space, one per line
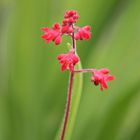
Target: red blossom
68 60
71 17
83 33
67 29
101 77
53 34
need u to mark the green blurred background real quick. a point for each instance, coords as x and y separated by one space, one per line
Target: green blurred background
32 88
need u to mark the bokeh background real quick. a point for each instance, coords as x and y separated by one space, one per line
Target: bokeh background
32 88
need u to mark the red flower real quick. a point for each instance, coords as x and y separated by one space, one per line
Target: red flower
83 33
67 29
68 60
71 17
101 77
53 34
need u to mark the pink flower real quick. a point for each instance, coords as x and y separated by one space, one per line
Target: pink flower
101 77
53 34
67 29
71 17
83 33
68 60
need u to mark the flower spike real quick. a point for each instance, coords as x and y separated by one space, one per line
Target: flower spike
70 59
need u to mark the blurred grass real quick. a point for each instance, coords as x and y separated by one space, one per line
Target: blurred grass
32 88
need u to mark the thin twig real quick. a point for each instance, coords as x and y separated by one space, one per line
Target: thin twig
83 70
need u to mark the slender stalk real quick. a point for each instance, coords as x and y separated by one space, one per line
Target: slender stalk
73 41
83 70
69 93
68 104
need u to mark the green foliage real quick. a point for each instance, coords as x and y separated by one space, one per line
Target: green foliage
32 88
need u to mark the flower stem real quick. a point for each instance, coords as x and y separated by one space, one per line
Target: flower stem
68 104
83 70
73 41
69 93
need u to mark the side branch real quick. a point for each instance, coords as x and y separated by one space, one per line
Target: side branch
83 70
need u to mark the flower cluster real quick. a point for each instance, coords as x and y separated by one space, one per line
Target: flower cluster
55 33
83 33
70 18
70 59
101 77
